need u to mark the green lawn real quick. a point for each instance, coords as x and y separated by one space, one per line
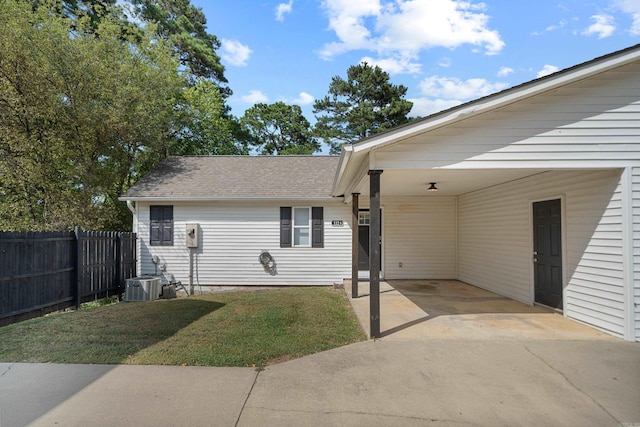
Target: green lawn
224 329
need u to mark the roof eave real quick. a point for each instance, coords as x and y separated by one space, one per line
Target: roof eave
345 156
217 199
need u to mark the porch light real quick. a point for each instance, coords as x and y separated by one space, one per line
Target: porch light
432 187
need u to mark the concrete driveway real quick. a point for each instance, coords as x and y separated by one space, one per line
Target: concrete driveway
449 309
438 371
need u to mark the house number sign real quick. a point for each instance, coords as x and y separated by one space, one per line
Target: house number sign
337 223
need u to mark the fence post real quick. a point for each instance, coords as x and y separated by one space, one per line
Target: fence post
79 250
118 264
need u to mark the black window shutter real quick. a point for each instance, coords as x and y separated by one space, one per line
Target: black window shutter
285 227
317 226
167 226
161 218
155 213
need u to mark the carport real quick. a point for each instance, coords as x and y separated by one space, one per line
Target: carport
532 194
449 309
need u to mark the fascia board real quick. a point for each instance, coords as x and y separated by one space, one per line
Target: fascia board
222 199
357 162
345 156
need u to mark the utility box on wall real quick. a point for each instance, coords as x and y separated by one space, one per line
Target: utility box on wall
193 231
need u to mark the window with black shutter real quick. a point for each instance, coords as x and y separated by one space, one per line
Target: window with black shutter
301 227
161 225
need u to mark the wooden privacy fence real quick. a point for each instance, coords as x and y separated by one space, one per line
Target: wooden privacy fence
42 272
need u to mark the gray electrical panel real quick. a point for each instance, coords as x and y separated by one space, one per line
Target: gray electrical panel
193 233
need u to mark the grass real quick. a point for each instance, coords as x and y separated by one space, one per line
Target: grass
225 329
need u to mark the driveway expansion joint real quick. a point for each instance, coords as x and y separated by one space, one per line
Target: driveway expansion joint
244 404
375 414
6 371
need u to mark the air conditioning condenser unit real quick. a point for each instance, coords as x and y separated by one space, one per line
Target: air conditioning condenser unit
143 288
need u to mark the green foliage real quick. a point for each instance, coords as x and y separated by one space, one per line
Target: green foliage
100 302
364 104
202 125
89 102
82 114
185 27
279 128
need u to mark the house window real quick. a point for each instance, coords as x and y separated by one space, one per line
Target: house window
301 227
364 218
161 225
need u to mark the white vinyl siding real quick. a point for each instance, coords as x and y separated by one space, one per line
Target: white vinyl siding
635 203
495 249
234 235
591 123
420 233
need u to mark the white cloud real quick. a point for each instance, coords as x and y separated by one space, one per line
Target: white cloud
304 99
603 26
255 97
425 106
505 71
632 8
445 62
442 93
394 66
452 88
282 9
551 28
546 70
234 52
404 28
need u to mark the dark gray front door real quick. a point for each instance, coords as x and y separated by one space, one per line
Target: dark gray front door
363 250
547 252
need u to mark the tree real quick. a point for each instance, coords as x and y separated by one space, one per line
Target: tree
202 125
180 23
362 105
83 113
279 128
185 26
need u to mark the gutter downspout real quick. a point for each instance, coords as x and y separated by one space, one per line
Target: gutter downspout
134 228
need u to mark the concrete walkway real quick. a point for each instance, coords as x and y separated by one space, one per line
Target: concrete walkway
411 377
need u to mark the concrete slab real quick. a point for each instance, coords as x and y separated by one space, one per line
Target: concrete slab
451 383
100 395
449 309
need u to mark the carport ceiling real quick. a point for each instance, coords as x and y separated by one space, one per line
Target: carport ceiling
414 182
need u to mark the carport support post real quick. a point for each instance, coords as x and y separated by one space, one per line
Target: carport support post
355 244
374 252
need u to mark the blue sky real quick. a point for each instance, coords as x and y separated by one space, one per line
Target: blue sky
445 52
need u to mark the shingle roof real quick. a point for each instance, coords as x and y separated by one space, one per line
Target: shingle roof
238 177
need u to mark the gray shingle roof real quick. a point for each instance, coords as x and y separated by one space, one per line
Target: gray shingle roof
238 177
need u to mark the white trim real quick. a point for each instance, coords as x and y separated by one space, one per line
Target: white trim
626 189
457 237
223 199
308 226
563 236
